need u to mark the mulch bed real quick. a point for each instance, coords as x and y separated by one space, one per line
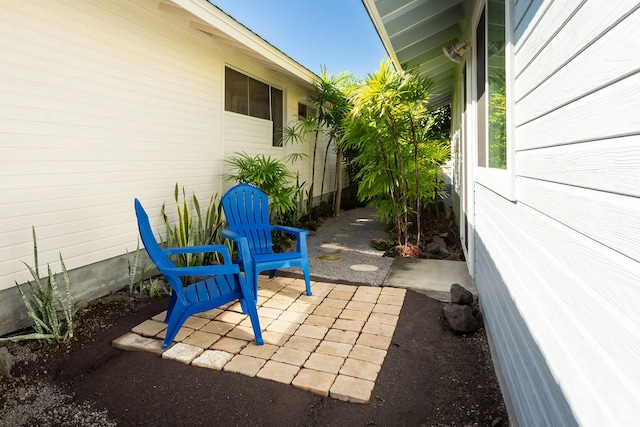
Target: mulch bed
430 377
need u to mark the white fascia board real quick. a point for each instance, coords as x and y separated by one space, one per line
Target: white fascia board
223 22
375 17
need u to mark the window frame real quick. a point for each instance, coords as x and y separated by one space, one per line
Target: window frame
311 110
275 141
501 181
306 108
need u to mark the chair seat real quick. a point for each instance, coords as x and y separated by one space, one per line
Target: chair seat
275 257
208 290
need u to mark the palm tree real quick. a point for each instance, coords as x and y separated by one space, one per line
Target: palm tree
331 106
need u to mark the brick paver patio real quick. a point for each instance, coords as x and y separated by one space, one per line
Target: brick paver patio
332 343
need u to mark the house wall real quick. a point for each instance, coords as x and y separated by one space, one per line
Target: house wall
102 102
252 136
558 267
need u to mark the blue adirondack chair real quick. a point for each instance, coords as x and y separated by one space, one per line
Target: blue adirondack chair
217 285
246 209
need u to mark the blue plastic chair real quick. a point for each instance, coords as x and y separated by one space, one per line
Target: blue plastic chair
246 209
217 285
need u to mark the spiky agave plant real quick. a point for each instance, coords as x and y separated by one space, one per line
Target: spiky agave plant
193 228
45 303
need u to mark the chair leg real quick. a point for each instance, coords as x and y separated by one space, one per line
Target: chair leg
256 273
251 310
307 279
178 316
272 274
172 303
244 304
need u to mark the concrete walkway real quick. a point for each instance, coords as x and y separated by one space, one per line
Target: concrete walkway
431 277
344 243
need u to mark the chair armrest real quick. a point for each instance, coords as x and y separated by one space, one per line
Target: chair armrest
290 230
241 242
207 270
221 249
301 237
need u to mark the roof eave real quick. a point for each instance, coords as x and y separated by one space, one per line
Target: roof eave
215 17
376 19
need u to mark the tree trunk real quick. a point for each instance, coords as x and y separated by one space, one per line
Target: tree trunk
324 168
313 173
403 181
338 193
415 159
394 205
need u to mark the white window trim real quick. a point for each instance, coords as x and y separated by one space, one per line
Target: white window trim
501 181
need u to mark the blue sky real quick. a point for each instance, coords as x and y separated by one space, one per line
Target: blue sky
337 34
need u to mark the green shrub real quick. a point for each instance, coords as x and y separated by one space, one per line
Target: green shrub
389 127
272 177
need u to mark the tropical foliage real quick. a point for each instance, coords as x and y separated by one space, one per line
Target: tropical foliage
276 180
497 119
144 284
389 127
331 105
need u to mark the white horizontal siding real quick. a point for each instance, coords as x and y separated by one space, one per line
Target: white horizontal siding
594 67
606 165
601 213
596 116
560 35
535 21
248 134
100 102
575 297
558 270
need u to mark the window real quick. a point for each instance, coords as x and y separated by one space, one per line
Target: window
248 96
491 66
497 106
302 110
491 91
236 92
259 104
306 111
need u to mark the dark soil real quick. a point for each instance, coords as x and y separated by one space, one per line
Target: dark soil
430 377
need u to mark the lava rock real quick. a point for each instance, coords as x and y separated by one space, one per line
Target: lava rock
462 319
380 244
432 248
460 295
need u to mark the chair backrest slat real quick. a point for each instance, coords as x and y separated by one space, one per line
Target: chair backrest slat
154 250
246 209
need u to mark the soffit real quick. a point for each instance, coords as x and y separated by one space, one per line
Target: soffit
414 33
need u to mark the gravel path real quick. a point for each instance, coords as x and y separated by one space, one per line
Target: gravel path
347 240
